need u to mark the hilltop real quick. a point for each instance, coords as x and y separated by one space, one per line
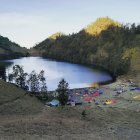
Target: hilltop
9 49
100 25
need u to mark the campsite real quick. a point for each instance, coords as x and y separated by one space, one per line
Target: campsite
121 94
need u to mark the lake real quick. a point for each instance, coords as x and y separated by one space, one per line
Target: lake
78 76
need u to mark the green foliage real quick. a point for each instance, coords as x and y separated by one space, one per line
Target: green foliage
134 54
62 92
33 82
10 49
103 43
19 77
42 79
56 35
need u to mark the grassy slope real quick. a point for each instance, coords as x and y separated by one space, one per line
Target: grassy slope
22 117
14 100
56 124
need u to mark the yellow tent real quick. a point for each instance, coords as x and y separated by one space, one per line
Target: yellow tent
136 97
108 102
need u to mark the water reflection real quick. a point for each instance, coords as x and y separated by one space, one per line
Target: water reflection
3 66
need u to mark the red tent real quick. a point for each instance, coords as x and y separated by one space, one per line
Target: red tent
88 99
95 94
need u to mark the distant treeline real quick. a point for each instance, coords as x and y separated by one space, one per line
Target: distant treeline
11 50
12 55
105 43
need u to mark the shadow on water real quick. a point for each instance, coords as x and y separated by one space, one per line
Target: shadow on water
3 66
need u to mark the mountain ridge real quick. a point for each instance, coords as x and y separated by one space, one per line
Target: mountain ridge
10 50
103 43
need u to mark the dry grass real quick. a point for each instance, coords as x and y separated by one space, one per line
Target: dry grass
55 123
29 121
15 101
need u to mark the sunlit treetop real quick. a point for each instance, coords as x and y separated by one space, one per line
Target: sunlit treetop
101 24
56 35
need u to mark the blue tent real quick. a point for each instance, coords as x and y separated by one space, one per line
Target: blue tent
132 88
54 102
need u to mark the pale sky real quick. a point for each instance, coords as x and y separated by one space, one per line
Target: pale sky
28 22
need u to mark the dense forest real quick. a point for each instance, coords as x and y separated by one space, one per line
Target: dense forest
104 43
9 50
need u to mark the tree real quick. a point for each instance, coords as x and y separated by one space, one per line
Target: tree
43 86
63 92
18 76
42 79
33 82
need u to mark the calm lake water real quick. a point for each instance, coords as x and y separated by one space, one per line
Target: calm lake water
77 76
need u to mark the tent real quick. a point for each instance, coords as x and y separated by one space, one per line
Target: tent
108 102
137 88
88 99
136 97
54 102
85 95
132 88
95 94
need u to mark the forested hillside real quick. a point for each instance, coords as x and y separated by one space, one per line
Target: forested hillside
104 43
10 49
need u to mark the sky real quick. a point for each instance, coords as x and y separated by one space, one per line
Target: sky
28 22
